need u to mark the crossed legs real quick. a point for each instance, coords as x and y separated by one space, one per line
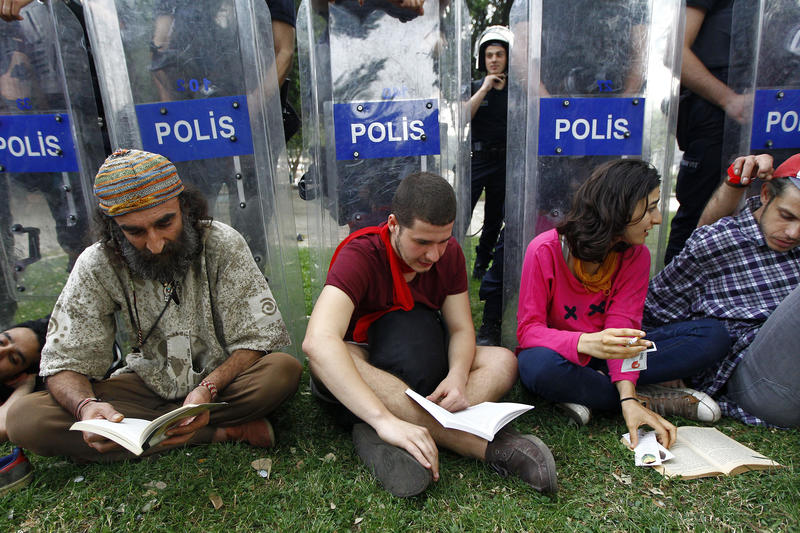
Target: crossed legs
41 425
493 373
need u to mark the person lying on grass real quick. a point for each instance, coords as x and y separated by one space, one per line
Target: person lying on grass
20 351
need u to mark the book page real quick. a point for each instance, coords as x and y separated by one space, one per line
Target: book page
128 432
686 463
483 420
161 424
492 415
723 452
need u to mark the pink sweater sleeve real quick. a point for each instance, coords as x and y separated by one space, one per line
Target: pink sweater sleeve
537 287
627 302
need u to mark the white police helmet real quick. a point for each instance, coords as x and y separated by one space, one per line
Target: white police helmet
491 35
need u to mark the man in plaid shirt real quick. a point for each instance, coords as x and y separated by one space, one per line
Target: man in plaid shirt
744 270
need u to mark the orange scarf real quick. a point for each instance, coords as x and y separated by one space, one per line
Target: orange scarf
600 280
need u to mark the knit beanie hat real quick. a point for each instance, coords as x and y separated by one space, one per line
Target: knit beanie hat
132 180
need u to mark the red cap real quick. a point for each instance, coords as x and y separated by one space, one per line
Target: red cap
789 169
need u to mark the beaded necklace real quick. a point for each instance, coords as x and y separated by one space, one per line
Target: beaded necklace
170 293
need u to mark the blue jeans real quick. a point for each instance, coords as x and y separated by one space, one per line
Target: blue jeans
684 348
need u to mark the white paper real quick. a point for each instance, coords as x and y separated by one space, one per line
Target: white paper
649 452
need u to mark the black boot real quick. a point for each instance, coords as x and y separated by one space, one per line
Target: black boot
489 334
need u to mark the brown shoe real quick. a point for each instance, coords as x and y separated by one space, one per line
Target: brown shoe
685 402
257 433
524 455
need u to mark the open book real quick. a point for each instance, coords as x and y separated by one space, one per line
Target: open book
483 420
136 434
704 452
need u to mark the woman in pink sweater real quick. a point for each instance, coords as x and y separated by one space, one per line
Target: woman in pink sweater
581 297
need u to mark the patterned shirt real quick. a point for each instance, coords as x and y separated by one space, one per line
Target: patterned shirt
225 305
726 272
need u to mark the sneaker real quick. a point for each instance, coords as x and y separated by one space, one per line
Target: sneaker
257 433
489 334
578 413
396 469
15 471
523 455
685 402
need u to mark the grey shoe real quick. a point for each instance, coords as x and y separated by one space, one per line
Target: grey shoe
396 469
524 455
15 471
680 401
578 413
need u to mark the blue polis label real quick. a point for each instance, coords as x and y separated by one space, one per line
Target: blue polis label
37 143
393 128
196 129
591 126
776 119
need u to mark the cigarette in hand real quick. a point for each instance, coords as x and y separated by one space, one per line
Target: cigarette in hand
632 340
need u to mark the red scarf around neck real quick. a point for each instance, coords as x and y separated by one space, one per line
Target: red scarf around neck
401 294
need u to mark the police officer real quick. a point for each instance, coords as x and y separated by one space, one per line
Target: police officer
705 100
488 107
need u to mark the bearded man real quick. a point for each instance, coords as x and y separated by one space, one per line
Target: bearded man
199 315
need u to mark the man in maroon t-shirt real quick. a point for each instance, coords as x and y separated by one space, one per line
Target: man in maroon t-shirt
394 314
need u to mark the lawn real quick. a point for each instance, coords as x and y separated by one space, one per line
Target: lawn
317 483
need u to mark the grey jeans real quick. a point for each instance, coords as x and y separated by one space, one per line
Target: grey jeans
767 381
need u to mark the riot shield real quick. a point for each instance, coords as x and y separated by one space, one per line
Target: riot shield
50 147
383 97
196 82
588 82
765 68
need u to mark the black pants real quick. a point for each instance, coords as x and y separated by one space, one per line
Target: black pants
492 286
411 345
489 173
700 137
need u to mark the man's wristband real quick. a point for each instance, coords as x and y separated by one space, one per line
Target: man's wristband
81 405
210 387
628 398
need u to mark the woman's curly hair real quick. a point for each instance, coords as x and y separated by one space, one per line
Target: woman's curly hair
604 205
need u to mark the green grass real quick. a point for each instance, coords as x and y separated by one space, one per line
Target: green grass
43 281
317 483
311 489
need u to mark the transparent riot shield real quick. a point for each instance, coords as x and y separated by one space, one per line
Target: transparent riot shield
765 70
50 147
196 82
588 82
383 97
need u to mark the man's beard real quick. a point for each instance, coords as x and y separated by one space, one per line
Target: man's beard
171 264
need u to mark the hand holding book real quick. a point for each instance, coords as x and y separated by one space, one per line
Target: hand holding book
483 420
138 435
699 452
450 394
